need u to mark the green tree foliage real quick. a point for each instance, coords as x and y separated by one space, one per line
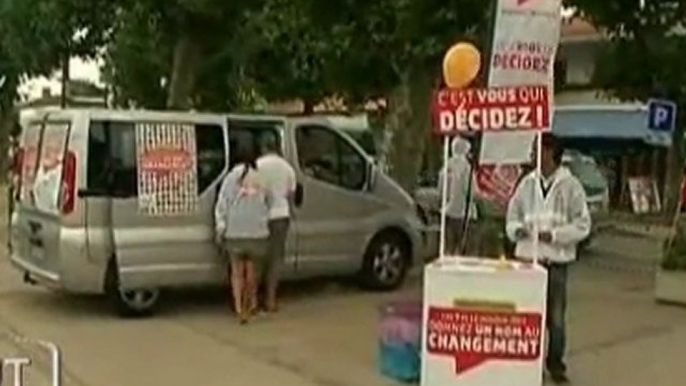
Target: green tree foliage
38 33
643 59
287 49
394 49
138 59
178 54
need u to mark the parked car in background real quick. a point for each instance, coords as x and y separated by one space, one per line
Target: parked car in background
596 186
582 166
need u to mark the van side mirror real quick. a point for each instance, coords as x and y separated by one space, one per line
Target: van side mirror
299 196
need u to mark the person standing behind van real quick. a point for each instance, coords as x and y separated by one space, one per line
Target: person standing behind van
241 216
281 181
458 171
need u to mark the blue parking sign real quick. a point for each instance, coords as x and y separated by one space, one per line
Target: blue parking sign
661 115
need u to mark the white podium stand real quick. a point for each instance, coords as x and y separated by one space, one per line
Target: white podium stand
483 323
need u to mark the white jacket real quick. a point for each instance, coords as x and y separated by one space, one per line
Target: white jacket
564 213
459 171
242 207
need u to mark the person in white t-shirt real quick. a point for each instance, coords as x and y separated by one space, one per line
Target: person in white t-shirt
280 179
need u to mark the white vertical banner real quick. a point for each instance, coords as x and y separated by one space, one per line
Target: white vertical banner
526 35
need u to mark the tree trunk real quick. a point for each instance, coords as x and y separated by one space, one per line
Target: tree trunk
184 72
66 75
308 107
8 116
406 125
675 166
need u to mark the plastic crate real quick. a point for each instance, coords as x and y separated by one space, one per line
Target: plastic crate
400 340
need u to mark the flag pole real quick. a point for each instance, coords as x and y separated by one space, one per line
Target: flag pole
444 196
537 200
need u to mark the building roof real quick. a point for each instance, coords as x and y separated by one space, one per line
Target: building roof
616 122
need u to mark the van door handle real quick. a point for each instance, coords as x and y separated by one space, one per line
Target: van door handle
35 227
85 193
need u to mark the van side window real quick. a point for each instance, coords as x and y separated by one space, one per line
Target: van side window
112 156
243 135
97 158
328 157
211 154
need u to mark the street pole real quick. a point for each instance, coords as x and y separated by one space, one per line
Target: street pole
487 44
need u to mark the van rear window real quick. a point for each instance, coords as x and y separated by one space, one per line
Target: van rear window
31 143
45 146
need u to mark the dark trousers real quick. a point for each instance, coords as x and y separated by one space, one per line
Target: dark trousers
556 317
278 234
454 236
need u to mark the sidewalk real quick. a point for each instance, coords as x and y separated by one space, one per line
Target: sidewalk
37 373
618 334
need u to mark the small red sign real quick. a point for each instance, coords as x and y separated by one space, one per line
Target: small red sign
491 109
497 183
165 160
472 337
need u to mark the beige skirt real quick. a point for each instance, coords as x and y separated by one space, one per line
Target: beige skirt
247 249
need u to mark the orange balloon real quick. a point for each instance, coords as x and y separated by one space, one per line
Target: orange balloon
461 65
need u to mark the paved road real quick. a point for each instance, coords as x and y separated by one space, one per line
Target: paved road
325 336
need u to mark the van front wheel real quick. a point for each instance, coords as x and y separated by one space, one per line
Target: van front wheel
129 303
386 261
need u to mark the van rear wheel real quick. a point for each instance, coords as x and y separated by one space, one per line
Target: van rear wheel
386 261
129 303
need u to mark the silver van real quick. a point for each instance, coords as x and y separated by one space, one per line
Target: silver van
79 224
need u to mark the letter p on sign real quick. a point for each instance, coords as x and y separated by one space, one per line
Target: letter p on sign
661 115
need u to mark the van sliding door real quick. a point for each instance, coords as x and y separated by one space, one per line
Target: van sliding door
165 178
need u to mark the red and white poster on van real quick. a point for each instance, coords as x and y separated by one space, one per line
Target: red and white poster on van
29 163
167 173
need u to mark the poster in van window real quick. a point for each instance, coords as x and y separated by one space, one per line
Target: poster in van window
48 178
167 173
28 169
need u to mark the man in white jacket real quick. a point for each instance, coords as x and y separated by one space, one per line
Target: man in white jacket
458 172
564 221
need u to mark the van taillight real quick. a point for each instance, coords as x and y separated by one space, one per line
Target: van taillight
67 197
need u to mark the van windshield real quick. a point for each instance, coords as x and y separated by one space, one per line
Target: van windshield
365 139
45 147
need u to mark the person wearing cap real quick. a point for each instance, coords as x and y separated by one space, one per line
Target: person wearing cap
457 172
556 201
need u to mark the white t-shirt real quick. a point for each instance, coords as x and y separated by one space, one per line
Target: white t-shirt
280 178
